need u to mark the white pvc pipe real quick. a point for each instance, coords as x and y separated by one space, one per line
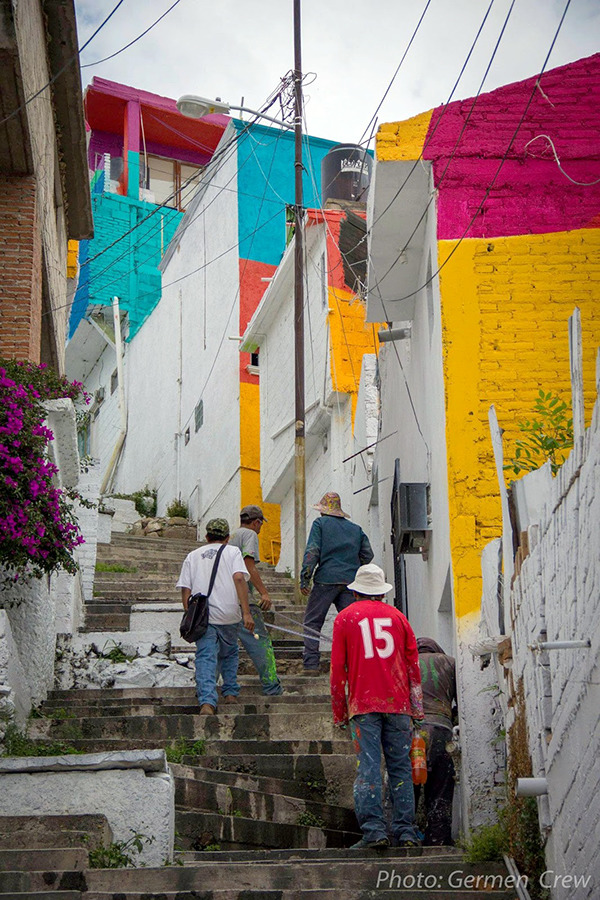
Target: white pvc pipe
531 787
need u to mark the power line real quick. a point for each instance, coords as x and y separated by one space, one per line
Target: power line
63 68
456 144
496 174
134 41
404 55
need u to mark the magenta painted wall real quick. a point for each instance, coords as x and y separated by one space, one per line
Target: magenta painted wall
530 194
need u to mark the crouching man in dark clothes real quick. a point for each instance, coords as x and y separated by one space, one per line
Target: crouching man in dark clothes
438 680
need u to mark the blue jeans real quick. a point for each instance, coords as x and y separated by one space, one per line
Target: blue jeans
219 642
320 599
261 652
392 732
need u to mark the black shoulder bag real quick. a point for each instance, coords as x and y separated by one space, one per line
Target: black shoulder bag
195 618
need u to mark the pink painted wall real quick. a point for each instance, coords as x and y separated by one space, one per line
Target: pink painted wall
530 194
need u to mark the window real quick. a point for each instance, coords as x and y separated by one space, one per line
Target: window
186 436
254 359
171 182
199 415
114 380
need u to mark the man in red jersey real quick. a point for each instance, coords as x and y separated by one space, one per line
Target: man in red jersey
374 654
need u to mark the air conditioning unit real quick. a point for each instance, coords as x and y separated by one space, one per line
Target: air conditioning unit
413 517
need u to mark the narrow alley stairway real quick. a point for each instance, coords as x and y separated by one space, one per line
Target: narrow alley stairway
263 791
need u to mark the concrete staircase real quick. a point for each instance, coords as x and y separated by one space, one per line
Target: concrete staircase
263 790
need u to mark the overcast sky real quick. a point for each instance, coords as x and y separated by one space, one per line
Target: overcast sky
240 48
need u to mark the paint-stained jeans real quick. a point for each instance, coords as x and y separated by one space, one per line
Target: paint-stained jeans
261 652
320 599
439 787
218 643
392 732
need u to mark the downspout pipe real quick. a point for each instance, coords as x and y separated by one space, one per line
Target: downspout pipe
108 475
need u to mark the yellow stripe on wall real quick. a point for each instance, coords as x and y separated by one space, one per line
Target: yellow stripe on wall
505 309
403 140
251 493
350 338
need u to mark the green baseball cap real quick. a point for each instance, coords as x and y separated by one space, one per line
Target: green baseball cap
218 528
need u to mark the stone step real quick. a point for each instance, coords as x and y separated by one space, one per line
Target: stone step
362 874
89 831
109 622
16 883
158 545
319 894
206 796
309 790
59 713
198 829
48 859
305 686
332 774
157 571
329 855
180 705
43 895
289 727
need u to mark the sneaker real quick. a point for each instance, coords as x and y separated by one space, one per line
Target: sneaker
366 844
409 844
229 699
207 710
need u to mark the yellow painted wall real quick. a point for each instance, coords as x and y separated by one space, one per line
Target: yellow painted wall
72 255
402 140
350 338
269 537
505 309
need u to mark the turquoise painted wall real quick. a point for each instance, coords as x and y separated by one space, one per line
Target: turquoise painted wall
128 270
267 154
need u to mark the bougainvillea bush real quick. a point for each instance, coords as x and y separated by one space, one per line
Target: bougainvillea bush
38 532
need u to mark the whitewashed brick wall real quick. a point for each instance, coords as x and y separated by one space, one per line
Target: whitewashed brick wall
558 591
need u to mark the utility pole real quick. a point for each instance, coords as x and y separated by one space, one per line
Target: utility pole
299 441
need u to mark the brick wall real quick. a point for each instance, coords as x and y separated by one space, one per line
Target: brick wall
20 264
558 589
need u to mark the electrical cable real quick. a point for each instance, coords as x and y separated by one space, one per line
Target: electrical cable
455 148
558 163
134 41
404 55
498 170
64 67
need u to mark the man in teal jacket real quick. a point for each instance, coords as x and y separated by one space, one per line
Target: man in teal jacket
334 551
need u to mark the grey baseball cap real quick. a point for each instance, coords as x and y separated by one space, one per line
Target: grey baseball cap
251 513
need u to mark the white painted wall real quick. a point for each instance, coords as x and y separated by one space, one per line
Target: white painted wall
182 355
411 375
557 589
329 438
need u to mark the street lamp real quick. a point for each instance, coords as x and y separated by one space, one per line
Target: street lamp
195 107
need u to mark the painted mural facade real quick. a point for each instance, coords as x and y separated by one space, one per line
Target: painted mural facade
512 240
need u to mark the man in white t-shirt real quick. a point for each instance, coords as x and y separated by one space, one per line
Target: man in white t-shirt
229 593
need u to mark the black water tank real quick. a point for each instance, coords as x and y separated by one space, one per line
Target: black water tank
346 173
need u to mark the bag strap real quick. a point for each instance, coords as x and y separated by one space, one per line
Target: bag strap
213 574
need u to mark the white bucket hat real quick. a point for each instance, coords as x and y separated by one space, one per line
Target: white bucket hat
370 580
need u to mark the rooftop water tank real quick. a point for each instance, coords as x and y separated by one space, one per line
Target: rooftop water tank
346 173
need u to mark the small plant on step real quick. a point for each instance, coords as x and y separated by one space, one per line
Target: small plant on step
177 509
16 743
309 819
120 854
116 654
184 747
486 843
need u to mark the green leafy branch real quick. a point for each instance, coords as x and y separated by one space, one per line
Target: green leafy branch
547 436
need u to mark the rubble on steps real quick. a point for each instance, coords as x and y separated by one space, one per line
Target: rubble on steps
173 527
